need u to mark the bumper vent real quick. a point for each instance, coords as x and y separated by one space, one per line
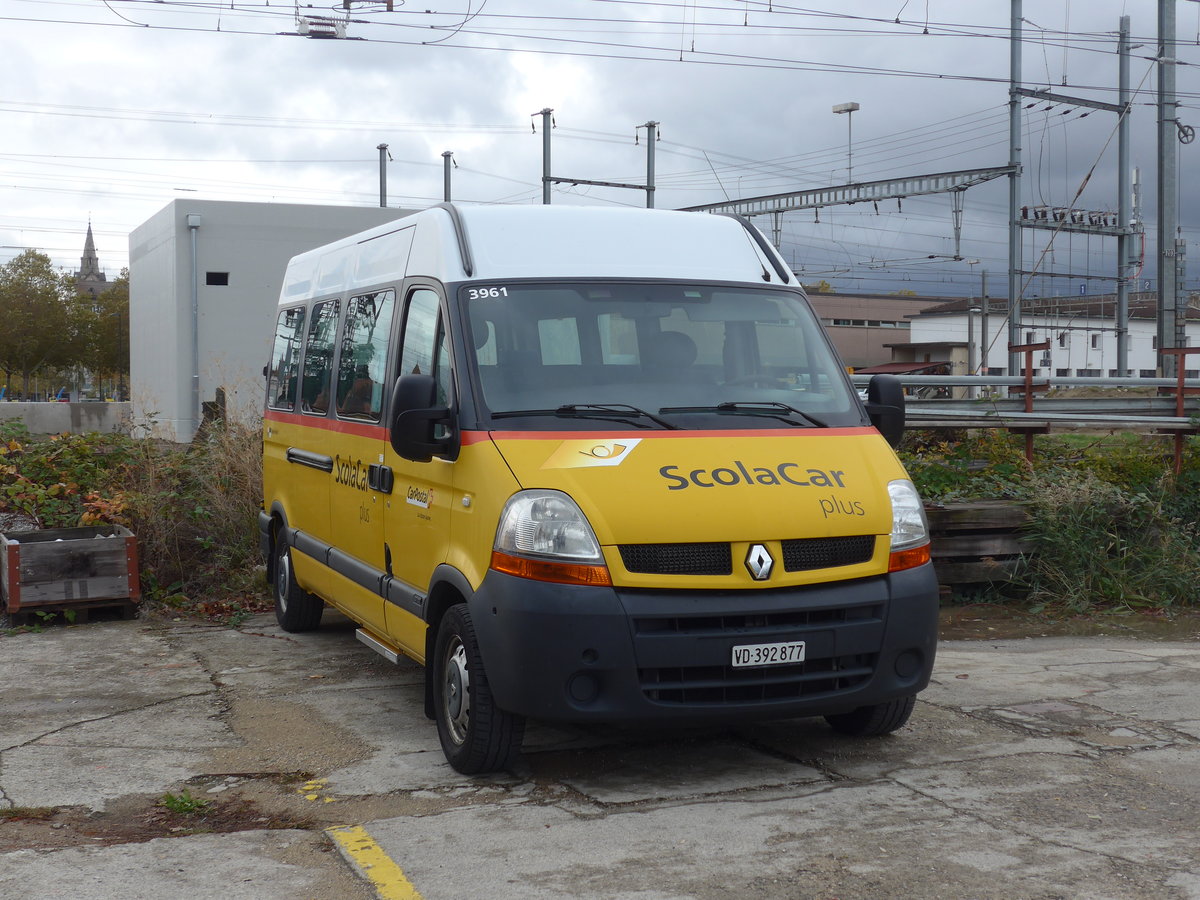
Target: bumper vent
723 685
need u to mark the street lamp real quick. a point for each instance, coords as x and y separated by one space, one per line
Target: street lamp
849 109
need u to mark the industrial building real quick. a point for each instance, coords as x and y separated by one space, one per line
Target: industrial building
204 279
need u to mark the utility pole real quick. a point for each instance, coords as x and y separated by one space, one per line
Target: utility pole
983 322
383 154
1168 173
447 159
548 179
547 124
651 137
1124 199
1014 187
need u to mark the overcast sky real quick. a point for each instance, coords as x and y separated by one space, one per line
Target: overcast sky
113 108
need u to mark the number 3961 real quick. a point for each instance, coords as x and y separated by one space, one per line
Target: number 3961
488 293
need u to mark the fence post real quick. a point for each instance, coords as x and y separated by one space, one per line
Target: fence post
1029 388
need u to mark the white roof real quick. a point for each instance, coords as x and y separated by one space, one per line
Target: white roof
511 242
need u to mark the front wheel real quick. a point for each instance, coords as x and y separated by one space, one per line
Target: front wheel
476 735
874 720
295 608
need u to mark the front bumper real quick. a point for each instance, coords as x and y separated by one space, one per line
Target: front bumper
572 653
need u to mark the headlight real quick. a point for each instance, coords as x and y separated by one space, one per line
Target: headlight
548 525
909 528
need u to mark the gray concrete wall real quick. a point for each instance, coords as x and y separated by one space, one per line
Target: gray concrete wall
249 245
76 418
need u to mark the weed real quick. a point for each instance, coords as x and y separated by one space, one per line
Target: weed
1099 546
195 512
184 803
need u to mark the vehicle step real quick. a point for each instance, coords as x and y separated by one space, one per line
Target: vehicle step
387 651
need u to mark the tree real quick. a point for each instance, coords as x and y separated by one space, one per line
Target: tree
108 336
35 315
821 287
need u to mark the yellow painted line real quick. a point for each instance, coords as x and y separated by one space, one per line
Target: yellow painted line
368 859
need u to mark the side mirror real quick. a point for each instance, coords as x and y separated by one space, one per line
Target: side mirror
885 406
415 419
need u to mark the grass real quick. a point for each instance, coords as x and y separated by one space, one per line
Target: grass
1112 528
184 803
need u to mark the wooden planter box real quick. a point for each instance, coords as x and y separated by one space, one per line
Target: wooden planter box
68 568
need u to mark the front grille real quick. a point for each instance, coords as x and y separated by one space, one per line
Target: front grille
677 559
799 555
804 554
716 685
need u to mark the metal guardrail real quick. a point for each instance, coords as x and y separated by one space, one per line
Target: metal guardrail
930 404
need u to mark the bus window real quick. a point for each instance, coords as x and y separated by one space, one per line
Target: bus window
318 358
363 361
426 349
285 359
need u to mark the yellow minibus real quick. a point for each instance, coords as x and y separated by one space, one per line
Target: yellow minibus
591 465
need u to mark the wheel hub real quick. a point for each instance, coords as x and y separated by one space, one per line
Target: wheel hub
456 692
283 578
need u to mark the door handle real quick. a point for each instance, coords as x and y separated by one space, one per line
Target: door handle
380 478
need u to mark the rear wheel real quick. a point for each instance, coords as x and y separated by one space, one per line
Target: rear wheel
874 720
476 735
295 608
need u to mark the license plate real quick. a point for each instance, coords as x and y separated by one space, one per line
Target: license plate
747 655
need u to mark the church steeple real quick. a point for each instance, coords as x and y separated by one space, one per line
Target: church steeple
90 278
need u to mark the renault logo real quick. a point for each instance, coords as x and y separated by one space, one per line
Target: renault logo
759 562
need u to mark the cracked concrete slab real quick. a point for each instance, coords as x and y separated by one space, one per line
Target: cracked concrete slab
255 865
1040 768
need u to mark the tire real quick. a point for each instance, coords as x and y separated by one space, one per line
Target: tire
295 608
874 720
476 735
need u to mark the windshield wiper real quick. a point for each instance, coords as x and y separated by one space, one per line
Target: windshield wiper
771 408
618 412
583 409
760 407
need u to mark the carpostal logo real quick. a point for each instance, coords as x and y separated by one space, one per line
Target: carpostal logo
419 496
591 453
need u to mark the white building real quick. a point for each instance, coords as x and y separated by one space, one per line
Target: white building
1081 331
204 279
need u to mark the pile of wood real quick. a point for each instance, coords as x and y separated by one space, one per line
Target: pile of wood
977 543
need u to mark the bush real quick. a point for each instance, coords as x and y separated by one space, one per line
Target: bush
1098 545
193 508
955 465
62 481
195 511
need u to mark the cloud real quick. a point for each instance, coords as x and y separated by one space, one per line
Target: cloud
112 121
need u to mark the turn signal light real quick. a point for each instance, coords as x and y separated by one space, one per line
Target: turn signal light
908 559
541 570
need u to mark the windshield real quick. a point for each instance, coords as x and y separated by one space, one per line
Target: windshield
653 355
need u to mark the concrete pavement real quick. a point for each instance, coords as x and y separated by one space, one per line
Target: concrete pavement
1040 768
